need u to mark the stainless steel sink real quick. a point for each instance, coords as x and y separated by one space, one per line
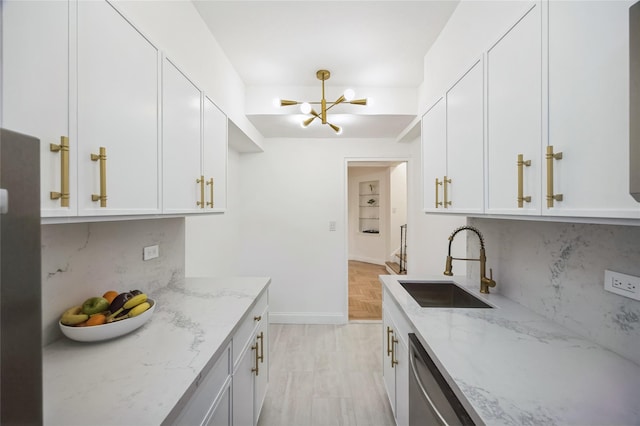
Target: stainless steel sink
441 294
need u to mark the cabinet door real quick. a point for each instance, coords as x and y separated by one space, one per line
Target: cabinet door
434 155
181 107
243 387
388 370
35 83
221 413
214 155
514 117
118 91
465 142
588 108
402 381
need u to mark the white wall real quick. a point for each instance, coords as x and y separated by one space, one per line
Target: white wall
370 248
289 193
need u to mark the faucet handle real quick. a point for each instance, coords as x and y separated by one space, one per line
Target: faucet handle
492 283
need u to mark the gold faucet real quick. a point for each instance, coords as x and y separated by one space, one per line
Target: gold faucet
485 282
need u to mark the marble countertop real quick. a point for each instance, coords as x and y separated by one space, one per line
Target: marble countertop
137 379
515 367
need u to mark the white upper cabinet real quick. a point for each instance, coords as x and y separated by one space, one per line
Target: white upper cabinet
589 109
184 186
465 142
214 155
118 87
194 147
453 146
514 118
434 155
35 83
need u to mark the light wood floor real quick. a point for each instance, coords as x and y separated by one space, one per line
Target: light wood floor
365 291
326 375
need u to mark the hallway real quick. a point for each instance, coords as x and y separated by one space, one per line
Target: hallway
365 291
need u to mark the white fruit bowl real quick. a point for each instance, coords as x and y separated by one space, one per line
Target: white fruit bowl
107 331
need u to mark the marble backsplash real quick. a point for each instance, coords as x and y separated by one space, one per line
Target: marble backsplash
557 270
82 260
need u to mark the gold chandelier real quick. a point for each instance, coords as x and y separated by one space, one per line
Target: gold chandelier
305 107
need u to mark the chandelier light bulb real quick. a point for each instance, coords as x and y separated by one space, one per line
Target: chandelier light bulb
305 107
349 94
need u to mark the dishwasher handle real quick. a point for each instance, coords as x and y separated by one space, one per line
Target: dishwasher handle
425 394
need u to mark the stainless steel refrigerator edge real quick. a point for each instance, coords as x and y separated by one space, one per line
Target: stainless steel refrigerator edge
634 101
20 281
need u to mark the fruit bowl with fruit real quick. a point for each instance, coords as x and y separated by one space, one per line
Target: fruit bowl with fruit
102 318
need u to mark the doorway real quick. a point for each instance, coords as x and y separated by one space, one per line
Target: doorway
376 231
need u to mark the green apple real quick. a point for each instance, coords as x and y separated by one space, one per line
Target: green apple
93 305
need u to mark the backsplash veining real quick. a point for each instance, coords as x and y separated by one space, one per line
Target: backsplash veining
83 260
557 270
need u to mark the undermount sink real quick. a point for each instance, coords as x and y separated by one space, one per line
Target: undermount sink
441 294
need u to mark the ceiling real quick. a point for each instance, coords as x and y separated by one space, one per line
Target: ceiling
364 44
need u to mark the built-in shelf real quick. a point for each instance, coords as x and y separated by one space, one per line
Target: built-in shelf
369 205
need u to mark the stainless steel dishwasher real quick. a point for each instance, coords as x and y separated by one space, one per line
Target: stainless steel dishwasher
431 400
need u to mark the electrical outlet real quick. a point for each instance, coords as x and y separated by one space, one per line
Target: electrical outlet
150 252
622 284
332 225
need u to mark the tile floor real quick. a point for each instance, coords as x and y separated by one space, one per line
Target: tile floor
326 375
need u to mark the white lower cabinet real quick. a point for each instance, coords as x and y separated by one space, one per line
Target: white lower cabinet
233 390
251 365
395 360
211 402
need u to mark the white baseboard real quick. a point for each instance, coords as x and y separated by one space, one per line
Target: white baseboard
307 318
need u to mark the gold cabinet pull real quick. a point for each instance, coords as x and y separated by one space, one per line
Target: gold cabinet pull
394 361
210 182
102 157
389 332
201 202
551 197
63 149
255 369
438 202
261 338
522 163
257 318
446 192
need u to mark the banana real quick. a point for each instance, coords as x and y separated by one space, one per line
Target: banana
138 309
135 301
73 316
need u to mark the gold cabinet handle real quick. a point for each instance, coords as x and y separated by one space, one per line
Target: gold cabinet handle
438 202
201 202
551 197
210 182
394 361
257 318
261 338
389 332
522 163
102 157
446 192
255 369
63 149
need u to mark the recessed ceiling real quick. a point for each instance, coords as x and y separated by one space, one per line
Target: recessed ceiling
363 44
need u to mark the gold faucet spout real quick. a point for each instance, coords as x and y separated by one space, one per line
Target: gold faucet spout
485 282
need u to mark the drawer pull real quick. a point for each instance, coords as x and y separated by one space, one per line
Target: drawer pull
255 369
257 318
261 338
